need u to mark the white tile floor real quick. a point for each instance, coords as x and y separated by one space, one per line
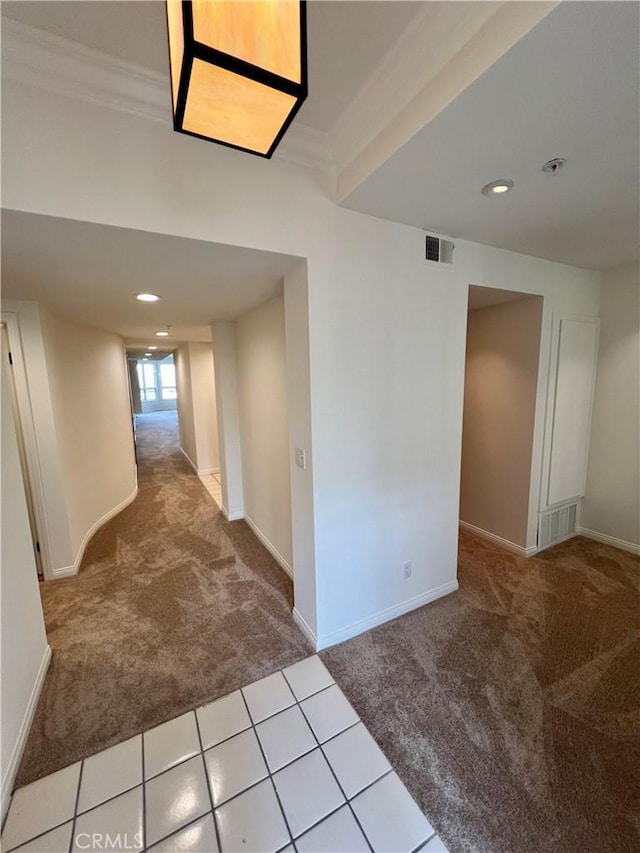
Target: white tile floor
213 484
282 765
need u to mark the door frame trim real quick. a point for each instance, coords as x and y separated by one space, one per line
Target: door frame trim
27 425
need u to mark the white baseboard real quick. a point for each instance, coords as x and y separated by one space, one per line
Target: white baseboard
23 733
498 540
271 548
382 616
201 472
67 571
189 459
631 547
232 516
64 572
304 627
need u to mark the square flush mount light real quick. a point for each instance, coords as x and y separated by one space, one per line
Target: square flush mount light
238 70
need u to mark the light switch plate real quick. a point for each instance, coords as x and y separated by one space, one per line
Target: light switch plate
301 457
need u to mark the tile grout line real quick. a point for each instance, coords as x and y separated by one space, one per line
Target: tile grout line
102 803
266 763
371 784
144 795
52 828
355 817
75 809
179 829
145 731
270 773
206 776
424 843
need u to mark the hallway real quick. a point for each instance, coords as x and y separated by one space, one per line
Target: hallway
172 607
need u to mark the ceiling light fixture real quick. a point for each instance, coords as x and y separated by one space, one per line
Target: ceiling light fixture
162 334
498 187
154 347
147 297
238 70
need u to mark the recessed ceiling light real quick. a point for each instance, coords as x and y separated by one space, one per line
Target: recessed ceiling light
148 354
147 297
145 359
497 187
153 347
162 334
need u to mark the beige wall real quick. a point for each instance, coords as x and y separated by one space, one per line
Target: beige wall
203 385
501 372
611 506
23 640
197 414
90 397
186 424
264 436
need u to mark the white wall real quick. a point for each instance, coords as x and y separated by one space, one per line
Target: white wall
197 413
386 332
25 653
264 433
501 373
611 507
90 394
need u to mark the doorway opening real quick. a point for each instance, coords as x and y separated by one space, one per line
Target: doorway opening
9 378
501 377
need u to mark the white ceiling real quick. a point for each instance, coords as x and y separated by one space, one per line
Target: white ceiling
346 40
90 273
568 89
129 30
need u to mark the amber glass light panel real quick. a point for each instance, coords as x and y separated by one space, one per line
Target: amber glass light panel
238 69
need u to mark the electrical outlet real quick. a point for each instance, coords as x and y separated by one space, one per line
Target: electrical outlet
406 569
301 458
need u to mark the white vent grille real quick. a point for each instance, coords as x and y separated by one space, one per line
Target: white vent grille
556 525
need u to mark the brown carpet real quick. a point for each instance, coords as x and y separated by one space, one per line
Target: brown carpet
511 709
172 607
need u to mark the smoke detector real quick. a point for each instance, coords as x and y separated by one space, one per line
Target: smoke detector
552 167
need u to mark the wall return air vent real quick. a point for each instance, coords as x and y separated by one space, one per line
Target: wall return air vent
438 251
556 525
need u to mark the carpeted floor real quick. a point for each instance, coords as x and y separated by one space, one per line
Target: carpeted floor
172 607
511 709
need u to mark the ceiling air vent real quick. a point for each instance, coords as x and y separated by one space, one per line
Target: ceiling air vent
438 251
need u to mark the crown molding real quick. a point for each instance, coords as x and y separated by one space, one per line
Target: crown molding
447 51
54 64
433 39
46 61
